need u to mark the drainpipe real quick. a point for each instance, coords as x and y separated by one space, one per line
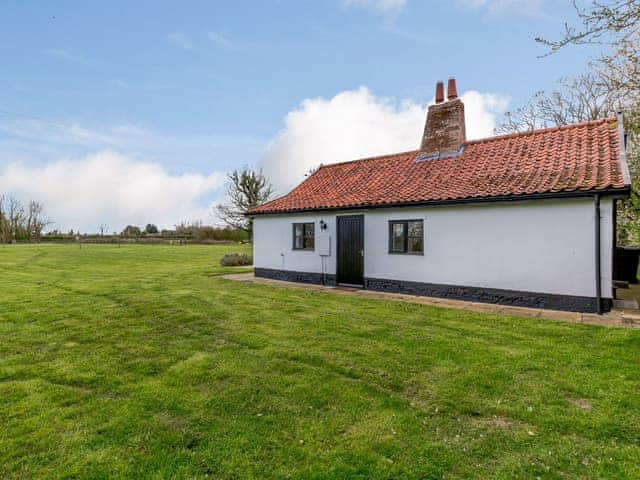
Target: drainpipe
614 240
597 253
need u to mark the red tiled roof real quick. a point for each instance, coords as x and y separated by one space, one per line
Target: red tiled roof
573 158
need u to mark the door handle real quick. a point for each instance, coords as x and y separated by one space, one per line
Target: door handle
362 252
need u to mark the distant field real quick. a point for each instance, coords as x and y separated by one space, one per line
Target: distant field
140 361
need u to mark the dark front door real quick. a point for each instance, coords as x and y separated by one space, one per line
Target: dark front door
351 250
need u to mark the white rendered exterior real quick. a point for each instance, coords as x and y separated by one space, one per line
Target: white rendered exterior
543 246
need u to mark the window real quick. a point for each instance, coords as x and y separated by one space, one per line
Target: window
303 236
406 236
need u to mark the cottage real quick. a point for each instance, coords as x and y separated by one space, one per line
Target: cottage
524 219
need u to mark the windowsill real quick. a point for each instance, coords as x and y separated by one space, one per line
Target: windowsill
407 253
303 249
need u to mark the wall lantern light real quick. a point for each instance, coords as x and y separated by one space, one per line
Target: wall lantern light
323 225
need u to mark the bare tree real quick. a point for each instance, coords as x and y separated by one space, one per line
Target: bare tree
36 221
247 189
614 25
4 222
15 211
16 224
581 98
611 23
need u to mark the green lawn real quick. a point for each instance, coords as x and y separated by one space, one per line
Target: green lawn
140 361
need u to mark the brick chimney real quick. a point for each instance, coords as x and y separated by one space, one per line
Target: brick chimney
444 131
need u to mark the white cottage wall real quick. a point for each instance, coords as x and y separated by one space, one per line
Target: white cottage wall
545 246
273 244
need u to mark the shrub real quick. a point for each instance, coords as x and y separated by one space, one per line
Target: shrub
236 260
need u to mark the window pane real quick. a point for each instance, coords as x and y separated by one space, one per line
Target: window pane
397 237
414 244
415 229
309 236
415 236
308 229
415 241
298 237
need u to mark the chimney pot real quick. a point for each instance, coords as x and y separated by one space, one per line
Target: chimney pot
439 92
444 131
452 91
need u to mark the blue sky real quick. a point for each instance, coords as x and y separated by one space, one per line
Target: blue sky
190 90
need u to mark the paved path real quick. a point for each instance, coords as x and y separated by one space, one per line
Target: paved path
615 318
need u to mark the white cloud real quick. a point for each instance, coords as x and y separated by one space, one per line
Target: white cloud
43 140
219 38
357 124
55 132
64 54
380 6
55 161
519 7
180 40
118 83
110 188
481 111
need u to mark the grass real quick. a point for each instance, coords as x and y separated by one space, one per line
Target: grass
141 362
